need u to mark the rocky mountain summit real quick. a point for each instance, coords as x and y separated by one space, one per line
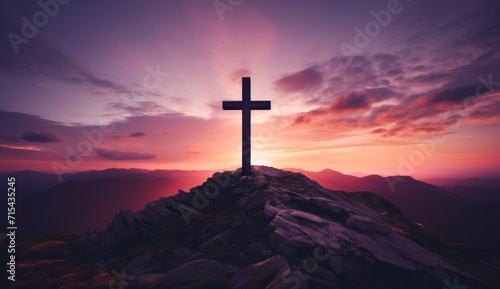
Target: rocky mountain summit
277 229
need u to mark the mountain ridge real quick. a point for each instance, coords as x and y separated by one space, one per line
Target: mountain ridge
451 214
232 227
470 215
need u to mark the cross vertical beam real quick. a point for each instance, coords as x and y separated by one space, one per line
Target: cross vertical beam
246 129
246 105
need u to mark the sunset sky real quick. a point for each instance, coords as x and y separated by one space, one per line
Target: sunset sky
379 87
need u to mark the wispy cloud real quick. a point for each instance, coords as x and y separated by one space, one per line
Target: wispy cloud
24 148
137 134
126 109
40 59
122 155
46 136
307 80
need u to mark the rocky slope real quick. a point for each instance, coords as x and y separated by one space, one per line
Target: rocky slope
277 229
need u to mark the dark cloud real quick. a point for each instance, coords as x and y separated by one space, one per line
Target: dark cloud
45 136
351 101
347 103
122 155
137 134
379 130
306 80
453 95
192 152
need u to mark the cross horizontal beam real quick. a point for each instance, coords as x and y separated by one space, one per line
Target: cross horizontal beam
239 105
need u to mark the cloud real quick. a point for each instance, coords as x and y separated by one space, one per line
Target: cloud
351 101
192 152
45 136
25 148
122 155
309 79
379 130
453 95
411 91
172 140
489 112
478 23
137 134
138 108
321 82
40 59
237 74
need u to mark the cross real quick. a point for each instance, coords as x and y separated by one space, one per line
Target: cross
246 106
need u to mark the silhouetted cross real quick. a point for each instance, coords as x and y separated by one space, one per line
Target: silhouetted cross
246 105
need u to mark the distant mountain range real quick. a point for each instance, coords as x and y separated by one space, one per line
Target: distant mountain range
29 182
466 210
473 189
276 229
468 216
88 200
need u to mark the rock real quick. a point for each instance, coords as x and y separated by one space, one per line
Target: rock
328 205
259 249
287 279
336 263
182 252
260 274
201 273
345 239
321 277
307 216
365 224
184 197
148 280
270 211
140 262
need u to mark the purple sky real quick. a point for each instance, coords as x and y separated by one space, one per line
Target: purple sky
355 85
